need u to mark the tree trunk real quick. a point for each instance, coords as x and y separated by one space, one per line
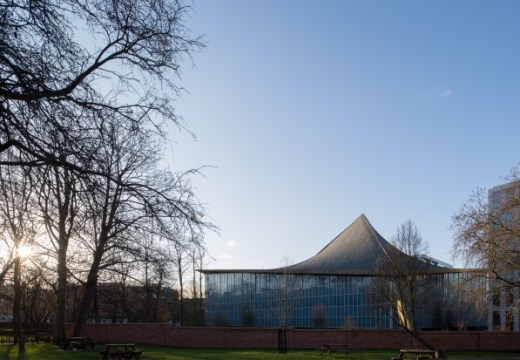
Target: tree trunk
181 290
61 297
18 324
88 297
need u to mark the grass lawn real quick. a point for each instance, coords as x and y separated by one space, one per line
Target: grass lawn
50 352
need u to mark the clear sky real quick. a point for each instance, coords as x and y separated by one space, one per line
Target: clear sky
314 112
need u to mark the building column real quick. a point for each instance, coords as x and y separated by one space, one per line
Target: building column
516 309
503 310
491 309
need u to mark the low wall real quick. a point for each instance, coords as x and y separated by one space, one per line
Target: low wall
227 337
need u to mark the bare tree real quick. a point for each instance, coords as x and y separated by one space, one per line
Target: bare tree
62 62
157 269
86 90
57 199
141 199
39 302
288 284
181 264
487 239
199 259
400 282
18 231
487 233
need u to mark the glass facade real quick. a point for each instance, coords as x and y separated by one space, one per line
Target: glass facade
329 301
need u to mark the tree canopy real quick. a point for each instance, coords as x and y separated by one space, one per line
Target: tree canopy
67 65
86 94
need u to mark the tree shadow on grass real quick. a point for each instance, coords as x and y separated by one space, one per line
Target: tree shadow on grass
10 352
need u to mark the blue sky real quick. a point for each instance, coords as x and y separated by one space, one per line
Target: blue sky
314 112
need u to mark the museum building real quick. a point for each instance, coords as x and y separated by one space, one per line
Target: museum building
336 288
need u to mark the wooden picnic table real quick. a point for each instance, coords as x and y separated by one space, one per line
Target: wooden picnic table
121 351
333 348
79 342
417 354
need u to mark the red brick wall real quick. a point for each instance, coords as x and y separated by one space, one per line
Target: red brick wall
211 337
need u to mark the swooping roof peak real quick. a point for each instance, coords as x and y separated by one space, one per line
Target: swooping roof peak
355 250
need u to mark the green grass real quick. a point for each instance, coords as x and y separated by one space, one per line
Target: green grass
162 353
50 352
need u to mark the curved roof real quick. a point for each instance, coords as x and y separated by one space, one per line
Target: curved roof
355 250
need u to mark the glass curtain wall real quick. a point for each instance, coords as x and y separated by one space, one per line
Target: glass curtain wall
333 301
287 300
